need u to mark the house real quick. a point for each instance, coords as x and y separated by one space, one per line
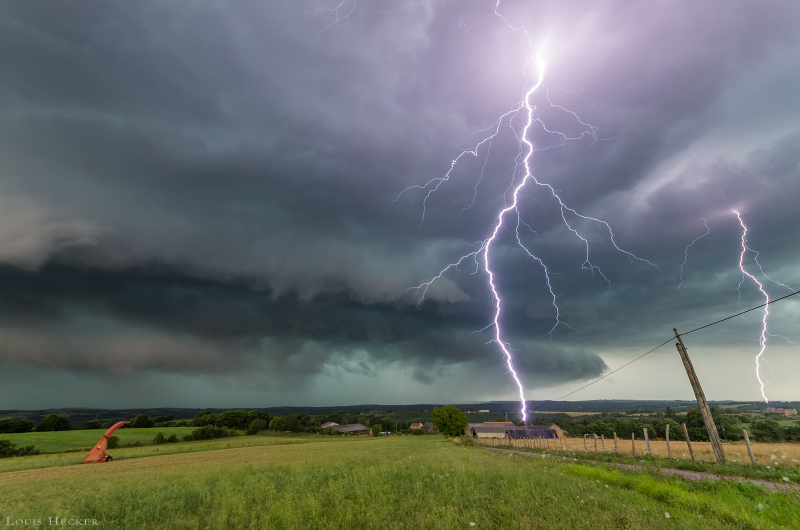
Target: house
429 428
417 426
785 412
486 430
483 411
355 429
328 424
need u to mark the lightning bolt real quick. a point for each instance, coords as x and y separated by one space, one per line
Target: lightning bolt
763 338
686 252
524 110
764 330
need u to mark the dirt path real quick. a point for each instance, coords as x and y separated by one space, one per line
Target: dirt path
688 475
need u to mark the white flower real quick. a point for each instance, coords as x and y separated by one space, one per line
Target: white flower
760 506
472 524
666 514
786 479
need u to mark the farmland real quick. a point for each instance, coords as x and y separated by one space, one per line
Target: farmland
386 482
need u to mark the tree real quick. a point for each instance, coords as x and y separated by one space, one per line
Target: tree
257 425
142 421
766 431
278 424
377 429
54 422
449 420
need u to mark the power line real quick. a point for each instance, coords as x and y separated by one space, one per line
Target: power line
671 339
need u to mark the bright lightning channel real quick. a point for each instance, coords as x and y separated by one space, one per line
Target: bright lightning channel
763 338
482 256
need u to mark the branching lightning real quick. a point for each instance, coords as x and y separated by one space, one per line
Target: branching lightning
764 330
526 111
686 252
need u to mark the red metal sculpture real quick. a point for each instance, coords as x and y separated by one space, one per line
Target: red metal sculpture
98 452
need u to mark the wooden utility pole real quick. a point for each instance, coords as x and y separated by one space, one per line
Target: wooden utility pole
713 435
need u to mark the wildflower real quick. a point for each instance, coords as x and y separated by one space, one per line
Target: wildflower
666 514
760 506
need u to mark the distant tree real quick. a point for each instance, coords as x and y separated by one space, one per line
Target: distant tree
54 422
164 419
208 432
675 430
205 418
449 420
257 425
159 439
93 424
766 431
335 418
278 424
7 449
142 421
598 427
6 425
669 413
377 429
172 438
113 441
694 418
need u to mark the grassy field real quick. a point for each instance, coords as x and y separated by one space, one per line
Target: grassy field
59 441
388 482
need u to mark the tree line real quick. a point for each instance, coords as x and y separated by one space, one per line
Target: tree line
761 429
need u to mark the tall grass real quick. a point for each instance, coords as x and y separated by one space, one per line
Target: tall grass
399 482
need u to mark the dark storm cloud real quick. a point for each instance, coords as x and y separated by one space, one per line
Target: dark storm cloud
214 185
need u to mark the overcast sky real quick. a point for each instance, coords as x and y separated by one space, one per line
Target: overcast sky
202 203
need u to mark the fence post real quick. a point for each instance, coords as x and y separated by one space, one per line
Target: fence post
633 445
603 442
647 441
584 444
669 452
749 449
616 450
686 434
595 443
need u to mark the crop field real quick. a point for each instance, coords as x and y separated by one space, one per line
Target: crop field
766 453
388 482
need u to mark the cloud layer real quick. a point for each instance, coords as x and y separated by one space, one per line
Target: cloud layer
211 195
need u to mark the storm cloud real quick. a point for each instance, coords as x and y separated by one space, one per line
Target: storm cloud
211 196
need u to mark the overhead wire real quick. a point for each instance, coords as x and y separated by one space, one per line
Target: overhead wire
671 339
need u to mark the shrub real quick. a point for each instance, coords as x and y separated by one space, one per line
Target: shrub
7 449
142 421
209 432
172 438
113 441
257 425
54 422
159 439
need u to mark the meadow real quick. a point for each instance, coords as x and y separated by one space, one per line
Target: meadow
385 482
79 440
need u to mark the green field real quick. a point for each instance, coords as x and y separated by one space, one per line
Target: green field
394 482
59 441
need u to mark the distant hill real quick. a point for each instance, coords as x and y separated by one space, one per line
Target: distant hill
79 416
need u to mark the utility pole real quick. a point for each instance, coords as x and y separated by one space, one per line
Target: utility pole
713 435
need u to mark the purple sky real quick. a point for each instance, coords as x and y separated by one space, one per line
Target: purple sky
198 200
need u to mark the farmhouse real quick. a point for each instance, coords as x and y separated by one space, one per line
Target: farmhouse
487 430
355 429
785 412
417 426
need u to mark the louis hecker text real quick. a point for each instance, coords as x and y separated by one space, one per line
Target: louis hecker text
51 521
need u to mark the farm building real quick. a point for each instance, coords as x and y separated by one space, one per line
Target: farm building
530 433
355 429
785 412
417 426
487 430
329 424
561 432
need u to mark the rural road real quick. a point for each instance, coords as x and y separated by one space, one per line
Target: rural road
689 475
